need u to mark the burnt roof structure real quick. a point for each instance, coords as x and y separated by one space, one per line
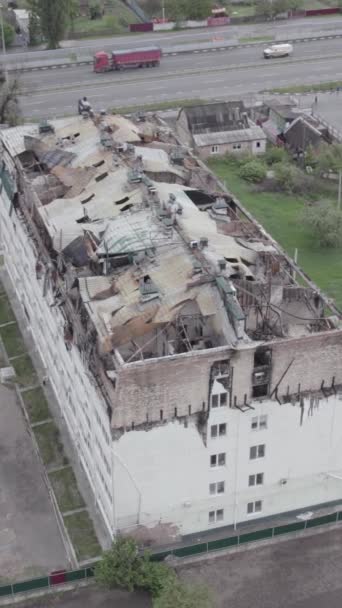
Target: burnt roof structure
145 263
215 117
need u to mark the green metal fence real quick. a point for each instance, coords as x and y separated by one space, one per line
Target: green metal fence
64 577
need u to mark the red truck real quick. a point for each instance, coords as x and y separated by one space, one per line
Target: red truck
133 58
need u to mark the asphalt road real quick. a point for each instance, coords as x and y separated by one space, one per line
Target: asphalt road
209 75
279 29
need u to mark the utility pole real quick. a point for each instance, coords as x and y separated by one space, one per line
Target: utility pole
3 41
339 189
163 10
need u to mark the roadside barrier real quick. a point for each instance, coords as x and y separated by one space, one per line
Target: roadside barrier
63 577
169 52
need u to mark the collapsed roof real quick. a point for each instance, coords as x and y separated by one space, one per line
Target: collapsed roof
160 266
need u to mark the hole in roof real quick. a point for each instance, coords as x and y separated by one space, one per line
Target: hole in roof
122 200
86 200
246 263
126 207
71 136
99 164
99 178
84 219
232 260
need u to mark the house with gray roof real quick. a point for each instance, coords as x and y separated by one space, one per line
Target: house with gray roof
218 128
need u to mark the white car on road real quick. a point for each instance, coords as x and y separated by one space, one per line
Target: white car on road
278 50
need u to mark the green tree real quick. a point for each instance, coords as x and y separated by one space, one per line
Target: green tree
123 566
325 221
119 567
176 10
329 158
95 10
35 34
74 9
54 17
9 34
9 103
198 9
178 594
271 8
276 154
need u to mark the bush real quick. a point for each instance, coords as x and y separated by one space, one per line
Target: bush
95 11
124 567
181 595
154 577
293 180
9 34
325 220
276 155
119 566
112 23
253 171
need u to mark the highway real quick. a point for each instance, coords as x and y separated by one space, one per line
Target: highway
282 29
219 75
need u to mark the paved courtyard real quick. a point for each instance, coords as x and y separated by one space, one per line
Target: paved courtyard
300 573
30 542
92 598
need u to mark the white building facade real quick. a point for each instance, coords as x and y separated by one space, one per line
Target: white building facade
191 441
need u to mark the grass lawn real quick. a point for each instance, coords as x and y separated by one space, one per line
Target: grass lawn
241 10
50 445
36 405
309 88
66 490
116 23
25 373
12 340
161 105
82 535
6 313
280 215
257 39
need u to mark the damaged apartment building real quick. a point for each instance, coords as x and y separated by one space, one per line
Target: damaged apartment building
198 370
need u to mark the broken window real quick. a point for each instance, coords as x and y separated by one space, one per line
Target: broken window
254 507
262 356
256 480
223 399
260 391
214 401
218 460
215 516
259 422
216 488
222 429
257 451
218 430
